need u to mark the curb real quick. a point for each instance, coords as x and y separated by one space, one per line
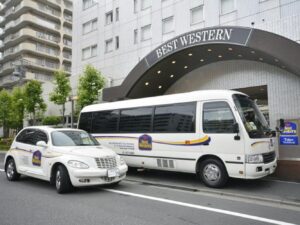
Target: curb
215 192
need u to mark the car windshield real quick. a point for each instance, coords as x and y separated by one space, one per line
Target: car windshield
72 138
254 121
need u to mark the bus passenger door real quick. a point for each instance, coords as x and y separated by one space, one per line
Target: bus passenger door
218 123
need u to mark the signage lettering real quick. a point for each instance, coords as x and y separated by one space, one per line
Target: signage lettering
218 34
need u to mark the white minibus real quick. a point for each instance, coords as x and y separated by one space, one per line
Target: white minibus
216 134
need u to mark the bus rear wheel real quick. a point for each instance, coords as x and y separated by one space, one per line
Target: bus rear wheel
213 173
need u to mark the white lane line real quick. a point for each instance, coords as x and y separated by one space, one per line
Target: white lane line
1 170
231 213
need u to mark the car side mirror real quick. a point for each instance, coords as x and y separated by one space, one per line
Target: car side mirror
42 144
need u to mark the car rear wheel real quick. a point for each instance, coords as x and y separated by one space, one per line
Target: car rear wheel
213 173
11 171
62 180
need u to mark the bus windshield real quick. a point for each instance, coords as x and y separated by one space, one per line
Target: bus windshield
254 121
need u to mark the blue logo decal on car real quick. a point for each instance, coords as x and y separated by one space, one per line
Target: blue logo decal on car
37 158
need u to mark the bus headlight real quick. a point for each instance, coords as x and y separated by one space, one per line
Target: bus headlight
258 158
120 160
77 164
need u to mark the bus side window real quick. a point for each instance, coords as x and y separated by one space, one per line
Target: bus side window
105 121
217 118
85 122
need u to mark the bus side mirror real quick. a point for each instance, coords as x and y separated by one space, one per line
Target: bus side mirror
236 130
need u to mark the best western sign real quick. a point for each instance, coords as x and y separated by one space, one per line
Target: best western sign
230 35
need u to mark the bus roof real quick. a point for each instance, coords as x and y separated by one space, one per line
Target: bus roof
163 100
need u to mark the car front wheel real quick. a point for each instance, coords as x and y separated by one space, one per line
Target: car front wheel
62 180
11 171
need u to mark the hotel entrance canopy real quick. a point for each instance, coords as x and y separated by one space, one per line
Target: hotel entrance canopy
166 64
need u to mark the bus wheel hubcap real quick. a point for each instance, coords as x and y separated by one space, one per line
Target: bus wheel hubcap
211 172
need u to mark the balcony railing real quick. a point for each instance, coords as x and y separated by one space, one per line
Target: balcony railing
47 9
67 55
67 42
47 36
68 17
48 50
47 63
11 37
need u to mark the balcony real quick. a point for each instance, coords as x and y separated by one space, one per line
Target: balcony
26 33
39 50
67 31
29 6
25 19
68 6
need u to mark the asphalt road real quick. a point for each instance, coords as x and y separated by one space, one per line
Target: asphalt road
30 201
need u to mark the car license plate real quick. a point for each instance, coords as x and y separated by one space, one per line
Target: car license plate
112 173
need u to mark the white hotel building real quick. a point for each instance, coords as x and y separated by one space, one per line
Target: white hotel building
138 46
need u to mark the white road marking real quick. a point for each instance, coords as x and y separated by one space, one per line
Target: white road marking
231 213
1 170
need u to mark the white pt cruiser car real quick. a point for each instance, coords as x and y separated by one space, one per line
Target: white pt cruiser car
65 157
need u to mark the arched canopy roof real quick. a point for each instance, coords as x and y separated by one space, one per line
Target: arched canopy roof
162 67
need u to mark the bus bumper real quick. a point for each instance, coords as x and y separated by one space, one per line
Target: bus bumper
255 171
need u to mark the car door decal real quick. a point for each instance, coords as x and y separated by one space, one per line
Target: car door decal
37 158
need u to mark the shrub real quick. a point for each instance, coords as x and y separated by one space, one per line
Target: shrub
5 143
51 120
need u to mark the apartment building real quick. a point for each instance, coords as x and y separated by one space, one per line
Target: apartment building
36 39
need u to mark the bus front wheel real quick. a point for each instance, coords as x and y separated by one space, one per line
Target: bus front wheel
213 173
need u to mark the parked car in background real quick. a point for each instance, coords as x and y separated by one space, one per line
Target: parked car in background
66 157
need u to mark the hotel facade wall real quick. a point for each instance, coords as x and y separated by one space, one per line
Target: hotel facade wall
281 17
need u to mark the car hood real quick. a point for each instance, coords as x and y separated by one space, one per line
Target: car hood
86 151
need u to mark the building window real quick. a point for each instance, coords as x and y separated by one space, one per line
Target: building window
135 36
145 4
109 18
117 14
89 52
89 26
109 45
88 3
197 14
168 25
135 6
117 42
227 6
217 118
146 32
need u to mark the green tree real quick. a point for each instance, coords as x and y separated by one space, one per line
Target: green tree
17 111
34 103
90 83
5 106
61 91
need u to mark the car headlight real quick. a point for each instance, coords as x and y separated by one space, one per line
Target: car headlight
77 164
120 160
258 158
